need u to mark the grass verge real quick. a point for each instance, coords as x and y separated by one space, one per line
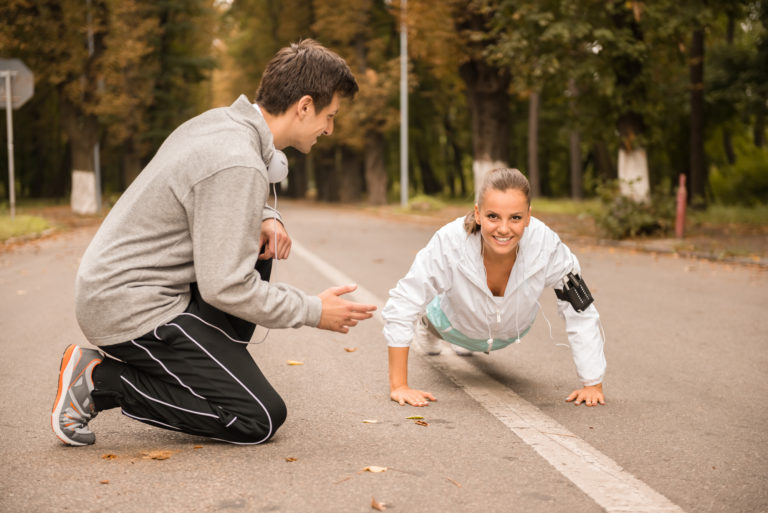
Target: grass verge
20 226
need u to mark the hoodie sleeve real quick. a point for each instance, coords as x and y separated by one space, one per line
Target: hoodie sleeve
225 211
428 276
583 329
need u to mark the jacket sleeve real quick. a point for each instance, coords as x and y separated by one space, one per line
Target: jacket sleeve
428 276
225 213
583 329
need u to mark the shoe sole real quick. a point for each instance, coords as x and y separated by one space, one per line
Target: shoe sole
69 361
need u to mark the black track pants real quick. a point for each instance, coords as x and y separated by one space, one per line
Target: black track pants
191 375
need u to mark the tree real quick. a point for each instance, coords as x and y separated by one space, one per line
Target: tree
364 33
459 36
112 63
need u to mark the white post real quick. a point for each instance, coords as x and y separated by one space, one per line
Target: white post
9 122
403 105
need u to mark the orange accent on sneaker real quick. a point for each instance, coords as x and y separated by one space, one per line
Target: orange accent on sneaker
64 361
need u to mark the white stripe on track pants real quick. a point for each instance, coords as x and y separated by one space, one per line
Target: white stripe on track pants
190 375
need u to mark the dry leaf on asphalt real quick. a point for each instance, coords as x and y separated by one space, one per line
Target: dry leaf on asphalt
370 421
290 459
198 447
350 349
374 468
294 362
109 456
414 417
454 482
421 423
104 481
378 506
156 455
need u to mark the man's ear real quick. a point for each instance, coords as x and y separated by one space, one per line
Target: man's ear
305 106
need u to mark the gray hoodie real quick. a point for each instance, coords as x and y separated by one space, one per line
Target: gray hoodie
193 215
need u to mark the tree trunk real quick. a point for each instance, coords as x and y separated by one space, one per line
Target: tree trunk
628 67
603 164
297 177
729 33
456 155
759 128
83 134
349 174
325 175
633 174
429 183
698 181
131 164
375 169
534 175
730 154
488 101
577 180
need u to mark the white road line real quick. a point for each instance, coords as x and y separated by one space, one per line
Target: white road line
598 476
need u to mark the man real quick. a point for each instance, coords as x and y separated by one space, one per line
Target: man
176 278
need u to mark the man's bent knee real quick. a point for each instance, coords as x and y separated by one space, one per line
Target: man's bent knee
258 424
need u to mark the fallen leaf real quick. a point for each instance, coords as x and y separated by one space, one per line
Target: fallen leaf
350 349
109 456
454 482
294 362
290 459
157 455
370 421
421 423
374 468
378 506
104 481
198 447
415 417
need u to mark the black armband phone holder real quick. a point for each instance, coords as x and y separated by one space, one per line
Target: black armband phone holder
575 291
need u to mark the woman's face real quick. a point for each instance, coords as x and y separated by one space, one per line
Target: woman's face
503 217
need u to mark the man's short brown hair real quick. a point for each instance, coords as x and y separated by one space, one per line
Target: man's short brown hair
306 67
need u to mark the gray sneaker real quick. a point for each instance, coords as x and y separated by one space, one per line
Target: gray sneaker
74 405
427 341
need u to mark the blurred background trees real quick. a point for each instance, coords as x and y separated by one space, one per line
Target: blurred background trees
563 90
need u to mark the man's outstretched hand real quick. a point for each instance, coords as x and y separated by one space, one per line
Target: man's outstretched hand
340 314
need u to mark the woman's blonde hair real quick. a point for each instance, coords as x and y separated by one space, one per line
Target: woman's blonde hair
499 179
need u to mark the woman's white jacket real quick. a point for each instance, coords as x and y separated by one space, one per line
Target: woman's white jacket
451 267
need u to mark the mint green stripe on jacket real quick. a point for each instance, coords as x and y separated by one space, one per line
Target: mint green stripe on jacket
443 326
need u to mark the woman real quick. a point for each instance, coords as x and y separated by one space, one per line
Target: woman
476 285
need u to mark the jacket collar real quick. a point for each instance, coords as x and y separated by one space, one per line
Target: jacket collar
527 264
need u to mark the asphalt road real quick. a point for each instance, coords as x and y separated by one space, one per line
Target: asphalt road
687 350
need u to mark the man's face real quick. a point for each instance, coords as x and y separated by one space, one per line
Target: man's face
314 124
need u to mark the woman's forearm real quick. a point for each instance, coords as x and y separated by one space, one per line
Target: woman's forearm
398 367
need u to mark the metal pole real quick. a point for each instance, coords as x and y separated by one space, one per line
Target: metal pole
9 122
403 105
